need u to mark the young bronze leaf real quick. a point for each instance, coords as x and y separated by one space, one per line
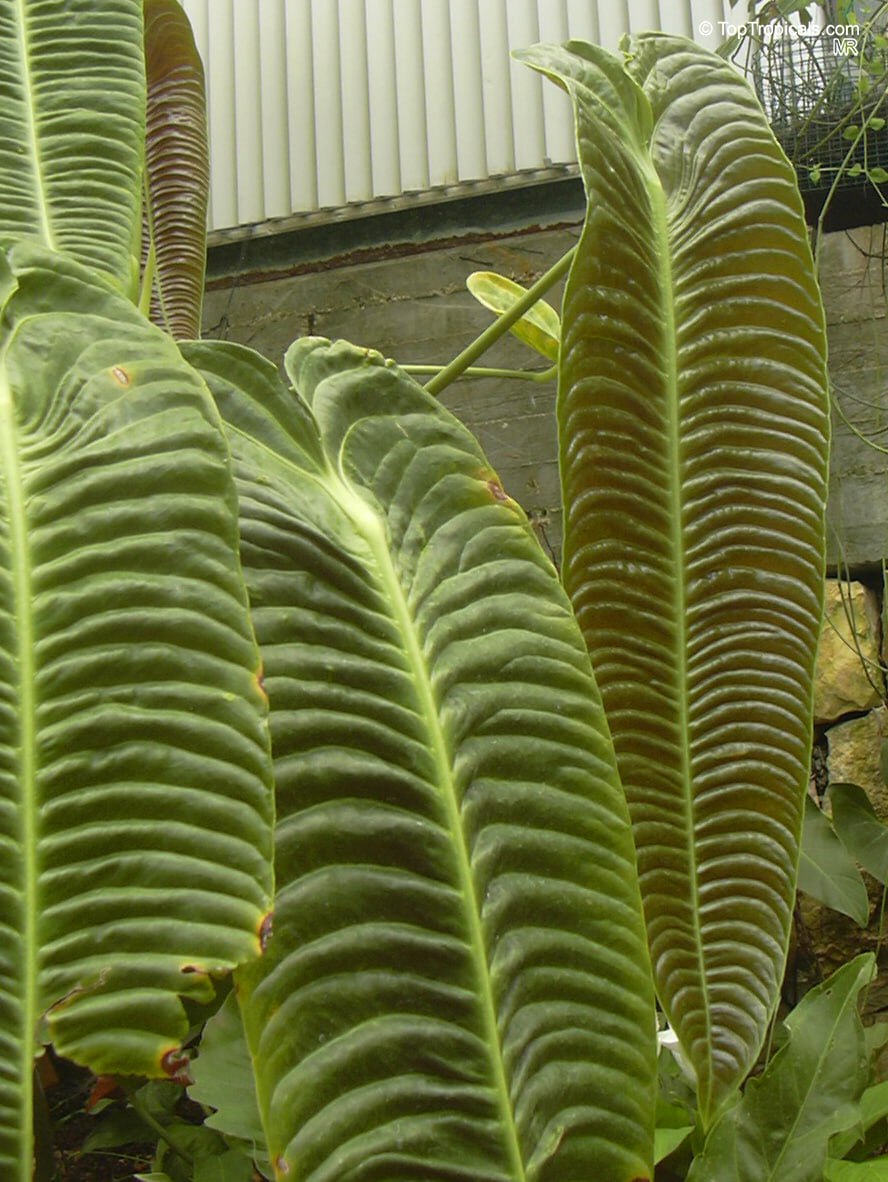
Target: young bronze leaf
176 171
693 422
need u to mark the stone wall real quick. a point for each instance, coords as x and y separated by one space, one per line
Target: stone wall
851 724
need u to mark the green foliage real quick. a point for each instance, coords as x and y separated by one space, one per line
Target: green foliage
680 493
827 871
457 983
810 1090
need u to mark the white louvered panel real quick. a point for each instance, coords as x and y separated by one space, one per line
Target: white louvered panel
496 87
315 104
613 22
557 117
248 113
383 98
327 61
439 97
274 107
528 131
300 151
582 19
468 91
218 56
644 14
410 89
357 157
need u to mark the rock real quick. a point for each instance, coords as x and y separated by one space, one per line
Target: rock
855 756
848 676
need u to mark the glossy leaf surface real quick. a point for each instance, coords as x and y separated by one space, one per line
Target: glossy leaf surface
72 122
135 778
177 170
693 435
457 986
780 1129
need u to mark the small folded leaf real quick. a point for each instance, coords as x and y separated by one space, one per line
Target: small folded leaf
827 872
540 327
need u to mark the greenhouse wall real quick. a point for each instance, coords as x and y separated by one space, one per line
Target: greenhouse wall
319 104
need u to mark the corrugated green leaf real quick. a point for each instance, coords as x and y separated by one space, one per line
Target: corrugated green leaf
177 170
457 985
693 433
135 780
72 123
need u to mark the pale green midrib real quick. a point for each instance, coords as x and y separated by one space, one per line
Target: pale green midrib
373 531
669 353
42 201
18 538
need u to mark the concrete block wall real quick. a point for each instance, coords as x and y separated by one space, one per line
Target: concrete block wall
409 301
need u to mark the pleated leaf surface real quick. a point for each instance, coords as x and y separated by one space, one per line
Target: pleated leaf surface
135 769
72 125
457 986
693 437
177 170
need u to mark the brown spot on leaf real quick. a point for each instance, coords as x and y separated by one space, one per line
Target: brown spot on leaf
281 1165
260 683
120 375
497 490
266 930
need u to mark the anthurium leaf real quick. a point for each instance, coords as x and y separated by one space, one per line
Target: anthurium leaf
540 327
457 984
177 176
693 421
223 1077
862 833
781 1126
135 774
827 872
72 123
